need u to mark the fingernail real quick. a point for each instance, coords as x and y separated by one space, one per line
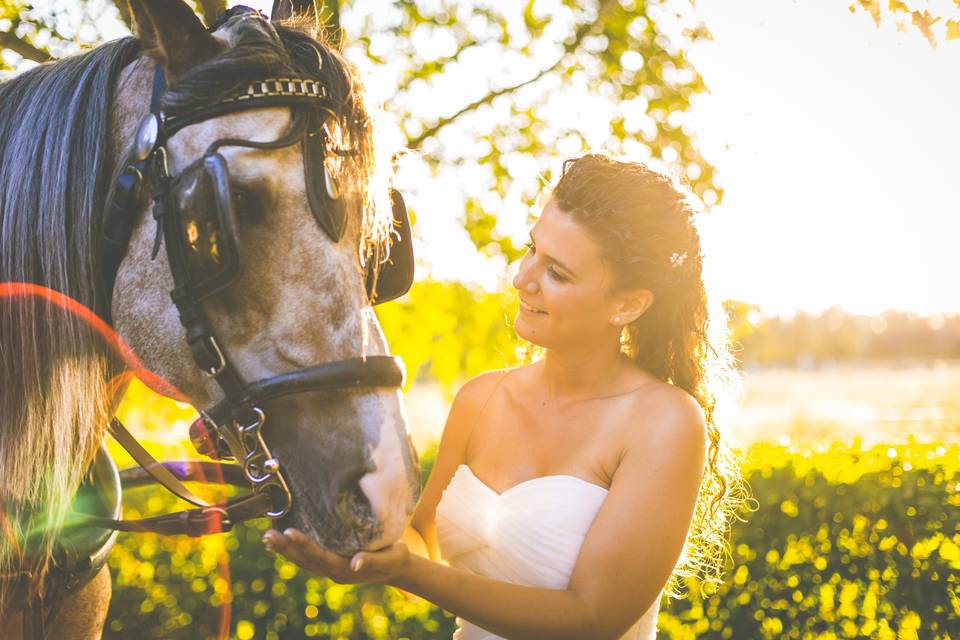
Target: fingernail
288 532
356 564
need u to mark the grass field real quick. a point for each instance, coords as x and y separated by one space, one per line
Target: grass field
879 403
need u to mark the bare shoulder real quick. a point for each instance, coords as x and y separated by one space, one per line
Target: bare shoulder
673 419
476 391
469 402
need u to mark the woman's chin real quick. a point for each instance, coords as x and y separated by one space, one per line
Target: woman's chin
526 332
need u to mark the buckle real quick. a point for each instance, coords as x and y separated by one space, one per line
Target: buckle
221 362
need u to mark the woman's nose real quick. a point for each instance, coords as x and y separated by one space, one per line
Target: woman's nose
524 280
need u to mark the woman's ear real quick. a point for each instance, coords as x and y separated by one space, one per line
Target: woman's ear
172 34
629 306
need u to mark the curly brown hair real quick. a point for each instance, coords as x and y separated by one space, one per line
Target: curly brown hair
643 222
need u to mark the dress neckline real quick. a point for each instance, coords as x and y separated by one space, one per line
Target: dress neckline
532 481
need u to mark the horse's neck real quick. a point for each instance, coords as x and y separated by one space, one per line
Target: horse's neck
80 616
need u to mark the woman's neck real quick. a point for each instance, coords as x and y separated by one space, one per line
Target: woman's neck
585 372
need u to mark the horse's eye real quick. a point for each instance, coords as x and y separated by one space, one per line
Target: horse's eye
245 204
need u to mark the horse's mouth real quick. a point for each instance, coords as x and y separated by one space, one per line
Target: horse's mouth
347 526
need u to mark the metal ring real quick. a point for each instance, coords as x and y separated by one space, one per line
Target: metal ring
221 361
254 478
261 418
161 152
279 513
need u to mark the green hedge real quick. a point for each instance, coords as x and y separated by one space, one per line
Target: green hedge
845 544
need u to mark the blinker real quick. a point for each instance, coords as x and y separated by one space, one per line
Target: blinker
146 138
206 225
330 185
322 194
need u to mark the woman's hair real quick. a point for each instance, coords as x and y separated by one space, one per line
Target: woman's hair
643 223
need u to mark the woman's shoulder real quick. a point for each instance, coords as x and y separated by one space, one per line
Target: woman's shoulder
479 388
469 403
670 412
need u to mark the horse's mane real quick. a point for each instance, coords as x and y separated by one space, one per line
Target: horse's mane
55 172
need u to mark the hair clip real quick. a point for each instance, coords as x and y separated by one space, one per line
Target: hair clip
677 259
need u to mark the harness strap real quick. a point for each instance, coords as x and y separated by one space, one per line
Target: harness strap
193 522
152 466
188 471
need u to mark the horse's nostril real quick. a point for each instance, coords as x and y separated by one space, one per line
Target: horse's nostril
349 479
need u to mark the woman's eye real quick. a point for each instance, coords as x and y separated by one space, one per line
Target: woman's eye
556 275
530 247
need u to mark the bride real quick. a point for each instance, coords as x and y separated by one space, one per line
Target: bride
569 494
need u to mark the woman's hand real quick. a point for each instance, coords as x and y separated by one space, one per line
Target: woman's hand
366 566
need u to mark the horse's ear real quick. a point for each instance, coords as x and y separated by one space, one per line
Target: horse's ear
283 9
172 34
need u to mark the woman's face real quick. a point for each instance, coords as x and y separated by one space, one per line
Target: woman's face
563 285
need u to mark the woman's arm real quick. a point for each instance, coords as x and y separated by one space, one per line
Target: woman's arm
626 558
451 453
508 610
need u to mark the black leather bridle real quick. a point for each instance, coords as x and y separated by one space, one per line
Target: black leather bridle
232 429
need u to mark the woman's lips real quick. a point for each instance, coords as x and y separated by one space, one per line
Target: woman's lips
529 309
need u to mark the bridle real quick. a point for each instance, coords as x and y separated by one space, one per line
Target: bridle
232 429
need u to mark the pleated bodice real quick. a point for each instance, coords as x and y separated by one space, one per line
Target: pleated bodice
530 535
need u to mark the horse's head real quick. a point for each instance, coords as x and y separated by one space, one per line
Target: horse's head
301 227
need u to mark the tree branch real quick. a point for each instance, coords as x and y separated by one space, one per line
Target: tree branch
466 44
570 47
123 6
9 40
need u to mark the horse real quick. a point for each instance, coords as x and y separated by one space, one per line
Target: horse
245 151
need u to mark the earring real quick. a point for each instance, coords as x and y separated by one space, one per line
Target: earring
616 319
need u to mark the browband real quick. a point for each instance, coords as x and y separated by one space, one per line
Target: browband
271 92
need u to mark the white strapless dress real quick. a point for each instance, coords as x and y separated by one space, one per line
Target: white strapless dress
530 535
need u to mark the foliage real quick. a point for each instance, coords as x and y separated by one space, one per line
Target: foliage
448 332
499 93
835 334
847 543
943 23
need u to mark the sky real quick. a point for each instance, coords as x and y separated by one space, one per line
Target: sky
836 143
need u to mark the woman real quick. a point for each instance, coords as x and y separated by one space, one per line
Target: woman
569 494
